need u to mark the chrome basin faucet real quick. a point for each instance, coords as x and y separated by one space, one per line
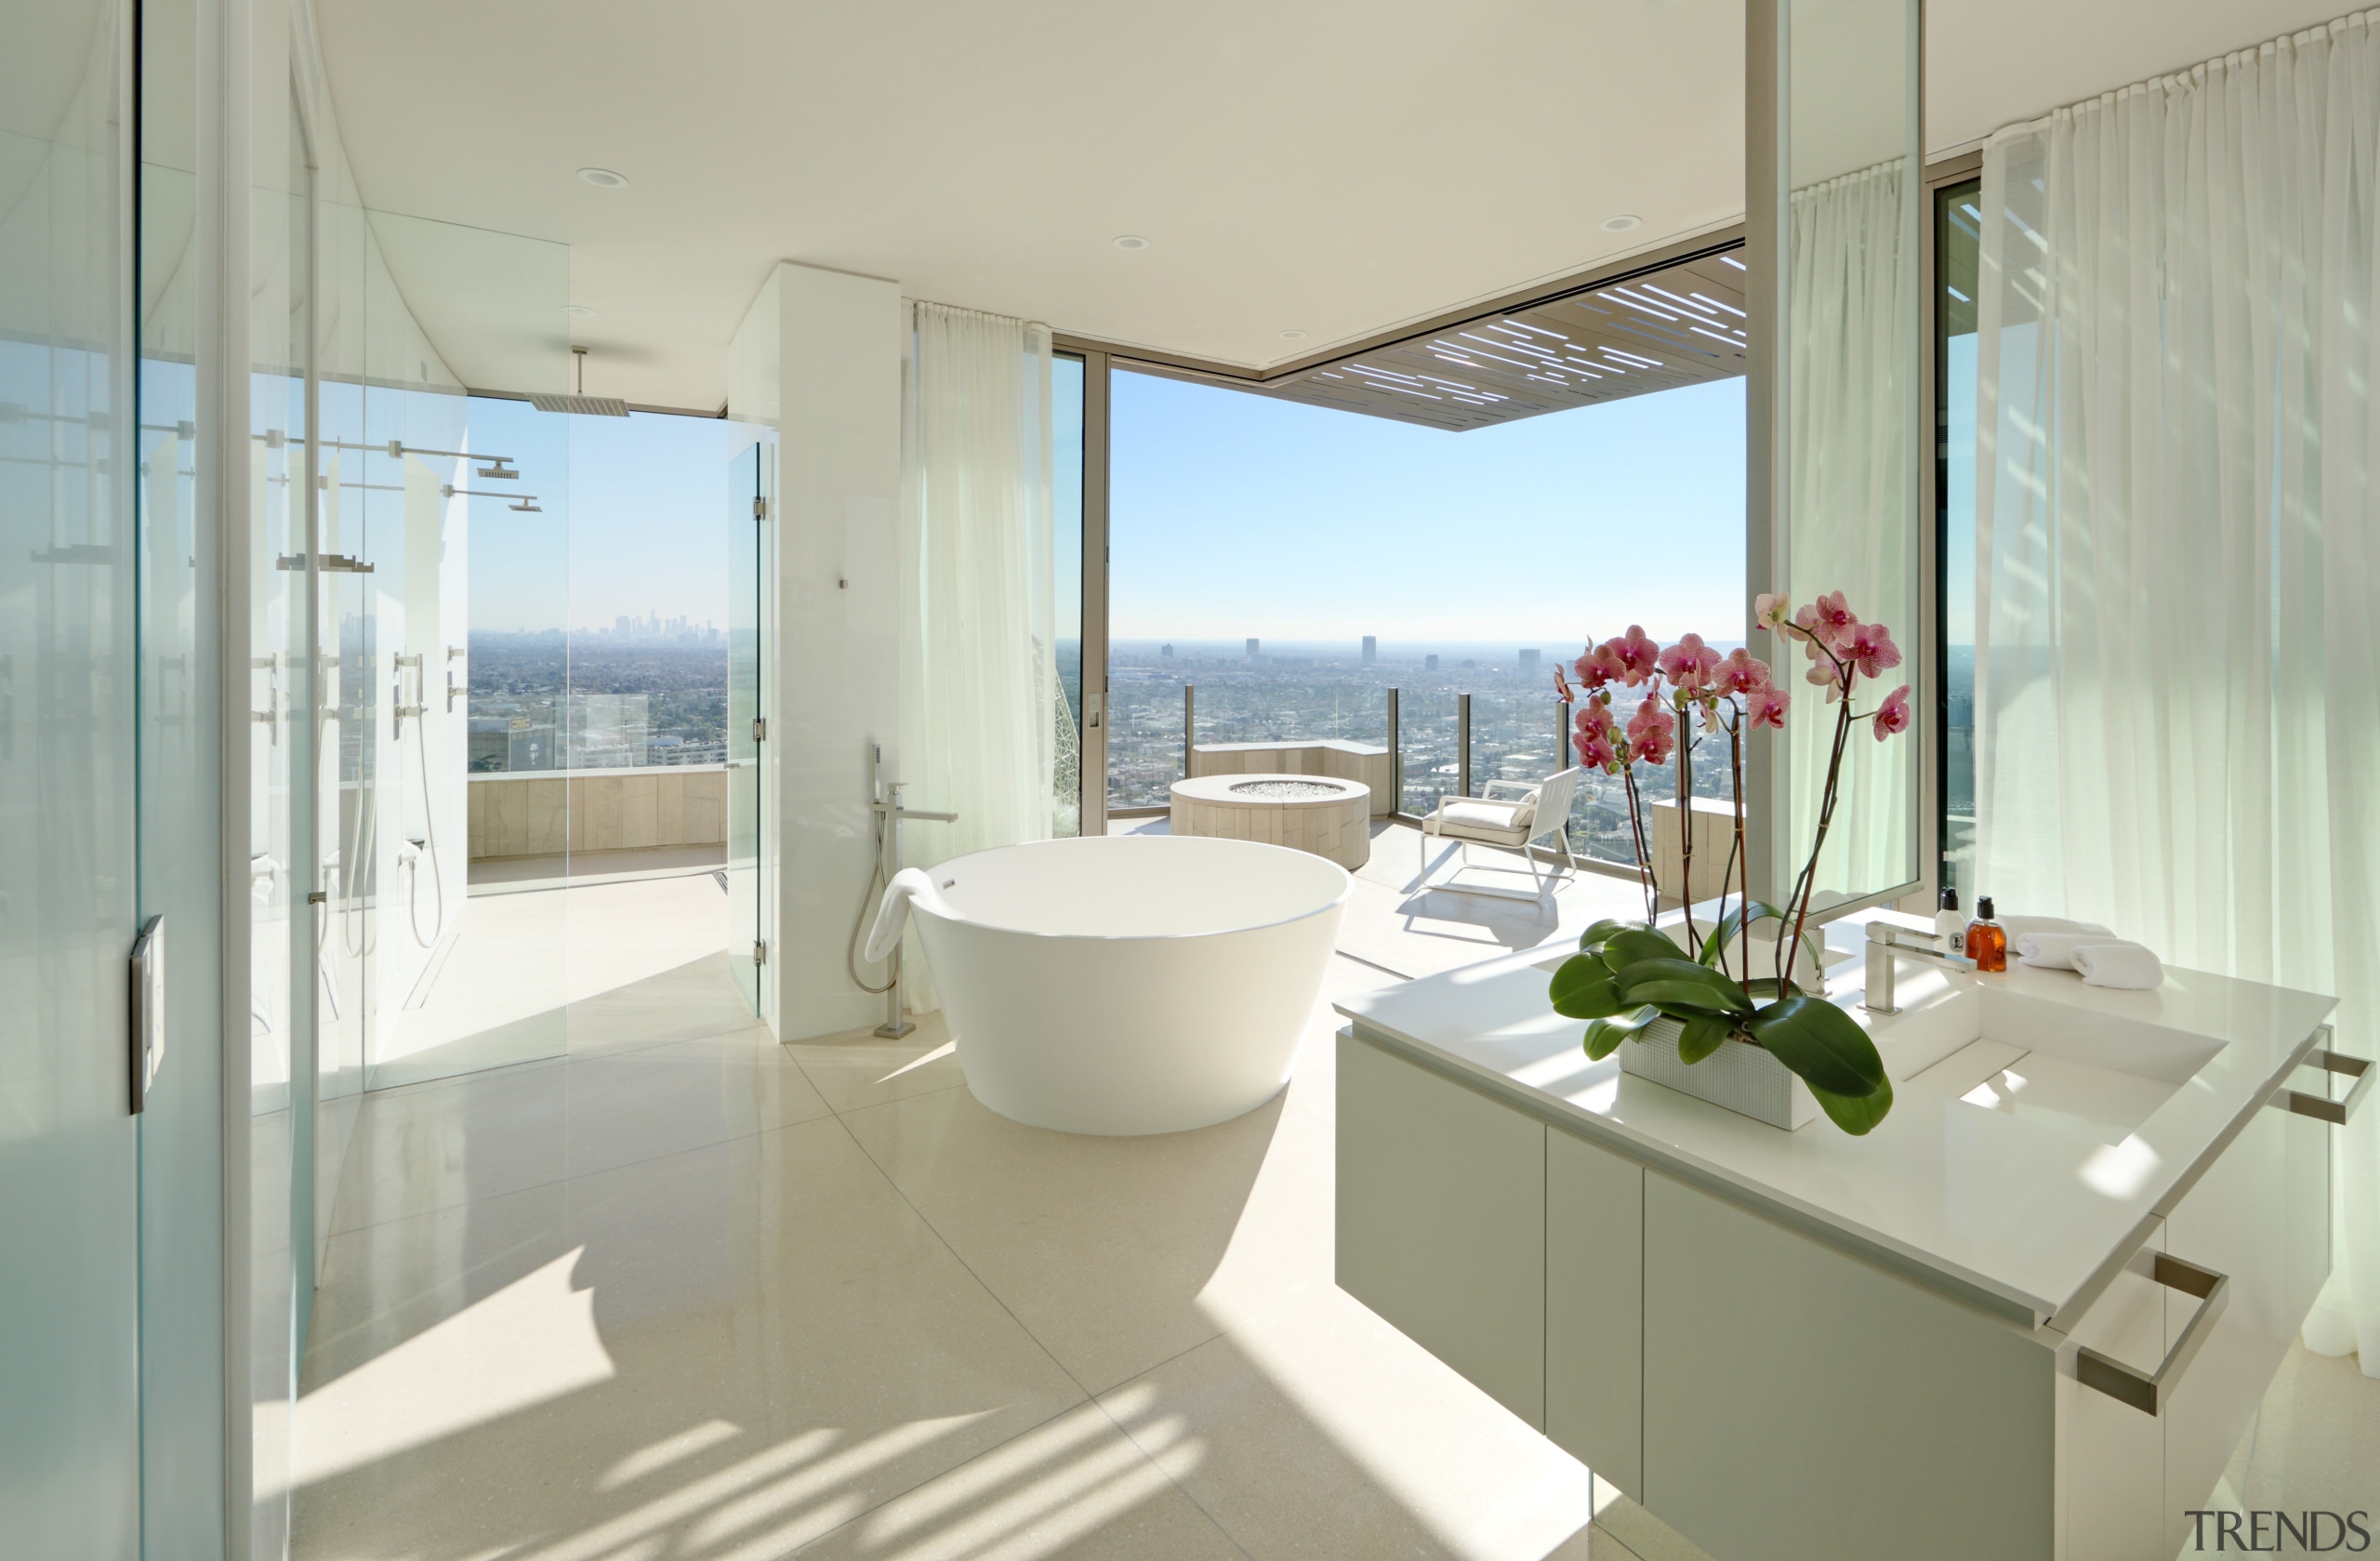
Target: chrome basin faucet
1888 946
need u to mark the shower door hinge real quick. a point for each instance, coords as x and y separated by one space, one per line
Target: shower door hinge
759 953
760 729
760 509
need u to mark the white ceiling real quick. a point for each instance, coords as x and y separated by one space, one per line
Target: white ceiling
1332 166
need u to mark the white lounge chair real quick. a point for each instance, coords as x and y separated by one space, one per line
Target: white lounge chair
1513 823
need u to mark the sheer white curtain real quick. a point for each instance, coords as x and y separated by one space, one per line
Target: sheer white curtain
2178 720
1848 384
979 674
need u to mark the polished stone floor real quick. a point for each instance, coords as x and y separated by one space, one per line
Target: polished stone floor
679 1291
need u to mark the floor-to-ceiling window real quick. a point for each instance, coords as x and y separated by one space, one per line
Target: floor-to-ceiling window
1955 241
1281 570
1066 383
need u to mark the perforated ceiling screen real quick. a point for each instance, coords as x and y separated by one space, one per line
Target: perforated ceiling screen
1681 326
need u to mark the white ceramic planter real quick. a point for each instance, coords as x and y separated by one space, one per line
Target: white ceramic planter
1741 1076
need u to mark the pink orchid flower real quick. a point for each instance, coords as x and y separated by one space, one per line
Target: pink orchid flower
1595 715
1771 609
1869 647
1740 672
1652 731
1635 656
1827 678
1765 706
1689 663
1598 667
1594 750
1835 618
1893 716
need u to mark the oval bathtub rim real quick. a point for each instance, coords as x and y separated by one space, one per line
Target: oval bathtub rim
919 908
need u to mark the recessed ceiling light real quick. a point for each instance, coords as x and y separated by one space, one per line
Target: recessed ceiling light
579 310
1130 241
605 178
1621 224
1293 336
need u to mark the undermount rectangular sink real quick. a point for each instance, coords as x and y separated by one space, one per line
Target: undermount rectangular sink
2030 1057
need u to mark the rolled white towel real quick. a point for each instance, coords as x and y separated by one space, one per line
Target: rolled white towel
2125 965
892 912
2017 926
2053 951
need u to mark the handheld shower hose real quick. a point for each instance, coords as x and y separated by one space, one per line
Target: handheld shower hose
429 847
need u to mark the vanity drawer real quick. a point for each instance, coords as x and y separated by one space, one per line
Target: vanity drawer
2257 1220
1595 1307
2261 1215
1441 1220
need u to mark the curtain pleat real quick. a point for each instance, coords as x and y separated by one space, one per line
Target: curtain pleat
979 679
1848 426
2177 683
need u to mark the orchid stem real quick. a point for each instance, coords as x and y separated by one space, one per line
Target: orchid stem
1685 825
1809 882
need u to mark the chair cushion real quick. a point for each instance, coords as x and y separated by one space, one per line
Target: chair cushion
1499 817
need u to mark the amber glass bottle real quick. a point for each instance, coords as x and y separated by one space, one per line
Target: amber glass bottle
1987 939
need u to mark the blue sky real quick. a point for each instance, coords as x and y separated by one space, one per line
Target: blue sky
1236 515
636 519
1232 515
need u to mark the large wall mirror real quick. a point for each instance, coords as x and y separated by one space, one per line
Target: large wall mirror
1841 174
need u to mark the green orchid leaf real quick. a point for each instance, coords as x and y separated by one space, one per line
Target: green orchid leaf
1682 980
1735 921
1595 936
1701 1036
1604 1034
1856 1114
1631 944
1584 988
1823 1044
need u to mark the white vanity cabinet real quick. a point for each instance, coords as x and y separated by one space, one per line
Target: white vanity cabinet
1791 1364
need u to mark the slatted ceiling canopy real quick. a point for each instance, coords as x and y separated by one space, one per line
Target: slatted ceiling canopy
1682 324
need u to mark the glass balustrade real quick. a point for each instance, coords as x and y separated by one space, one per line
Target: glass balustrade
1512 735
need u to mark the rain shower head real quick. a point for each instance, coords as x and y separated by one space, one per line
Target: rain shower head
586 406
582 403
499 469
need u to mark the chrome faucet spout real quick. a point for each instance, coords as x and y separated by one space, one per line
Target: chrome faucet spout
1887 945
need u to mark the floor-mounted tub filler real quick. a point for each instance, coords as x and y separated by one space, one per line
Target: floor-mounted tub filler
1124 985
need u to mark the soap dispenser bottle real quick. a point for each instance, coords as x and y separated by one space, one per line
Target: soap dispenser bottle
1948 925
1987 939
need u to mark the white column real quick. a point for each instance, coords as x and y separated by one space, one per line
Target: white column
819 357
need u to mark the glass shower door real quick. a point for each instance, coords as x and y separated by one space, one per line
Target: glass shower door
747 524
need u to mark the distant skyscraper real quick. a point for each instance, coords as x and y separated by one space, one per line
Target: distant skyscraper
1528 667
1371 649
1251 647
1428 664
1166 651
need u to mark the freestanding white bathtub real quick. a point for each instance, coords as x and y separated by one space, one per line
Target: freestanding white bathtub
1127 983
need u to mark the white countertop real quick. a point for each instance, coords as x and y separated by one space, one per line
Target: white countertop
2028 1209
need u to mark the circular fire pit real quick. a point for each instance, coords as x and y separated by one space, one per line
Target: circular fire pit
1332 818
